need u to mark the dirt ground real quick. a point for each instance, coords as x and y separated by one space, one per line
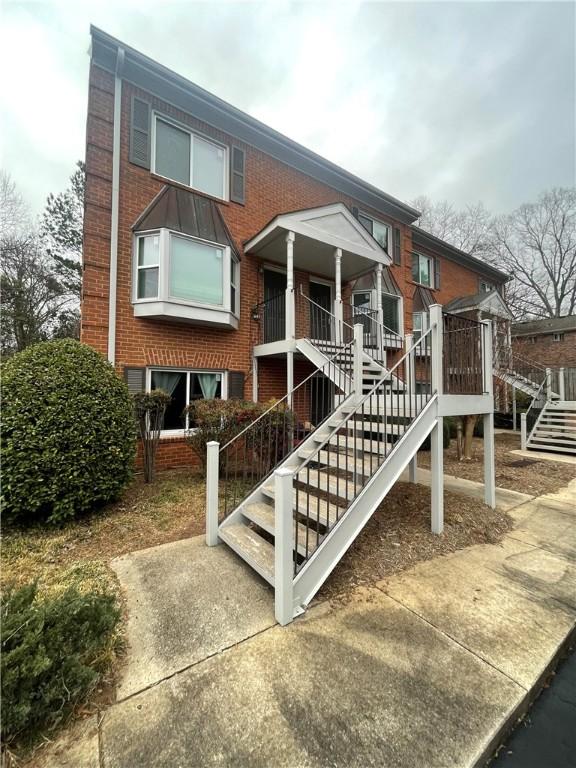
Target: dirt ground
533 476
398 536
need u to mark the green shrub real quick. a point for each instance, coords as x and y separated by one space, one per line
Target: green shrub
222 420
68 436
445 438
50 655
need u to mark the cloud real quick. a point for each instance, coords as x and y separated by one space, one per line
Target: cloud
464 101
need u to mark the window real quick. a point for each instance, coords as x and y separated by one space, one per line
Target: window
196 271
485 287
180 269
422 269
379 231
185 157
420 324
148 266
558 337
233 286
184 387
390 312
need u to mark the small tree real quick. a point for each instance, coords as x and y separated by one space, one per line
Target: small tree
150 408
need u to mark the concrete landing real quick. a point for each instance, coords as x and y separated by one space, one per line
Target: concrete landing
186 602
425 668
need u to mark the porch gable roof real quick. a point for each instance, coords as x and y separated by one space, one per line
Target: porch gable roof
331 225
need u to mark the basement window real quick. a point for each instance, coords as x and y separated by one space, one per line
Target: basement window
184 387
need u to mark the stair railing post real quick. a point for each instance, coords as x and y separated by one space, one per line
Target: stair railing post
437 326
487 366
523 435
437 434
212 480
358 361
283 546
548 384
561 384
410 382
290 310
338 330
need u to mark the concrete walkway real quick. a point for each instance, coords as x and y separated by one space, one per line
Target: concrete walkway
423 669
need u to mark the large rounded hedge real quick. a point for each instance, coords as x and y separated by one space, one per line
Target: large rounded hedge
68 432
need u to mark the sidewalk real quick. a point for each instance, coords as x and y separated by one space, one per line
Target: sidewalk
423 669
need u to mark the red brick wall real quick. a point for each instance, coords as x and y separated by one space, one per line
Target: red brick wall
271 187
546 351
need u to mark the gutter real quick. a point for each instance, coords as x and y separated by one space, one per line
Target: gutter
113 280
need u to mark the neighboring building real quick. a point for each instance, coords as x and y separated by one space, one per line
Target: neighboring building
551 341
211 241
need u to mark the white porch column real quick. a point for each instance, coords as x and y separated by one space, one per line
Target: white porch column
561 384
514 414
548 384
290 310
437 434
379 269
338 294
283 546
523 432
212 459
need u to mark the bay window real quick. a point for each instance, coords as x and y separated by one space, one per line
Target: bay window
193 160
184 387
422 269
420 324
184 277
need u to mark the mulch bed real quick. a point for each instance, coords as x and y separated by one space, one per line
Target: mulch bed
398 536
533 476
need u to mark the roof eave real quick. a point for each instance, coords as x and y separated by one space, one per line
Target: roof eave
427 240
177 90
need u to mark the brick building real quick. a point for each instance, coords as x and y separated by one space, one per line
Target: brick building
212 243
551 341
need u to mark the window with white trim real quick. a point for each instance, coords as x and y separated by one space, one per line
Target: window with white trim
486 287
379 231
420 324
173 267
558 337
183 156
185 386
423 269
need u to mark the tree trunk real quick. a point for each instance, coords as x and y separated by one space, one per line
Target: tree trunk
469 424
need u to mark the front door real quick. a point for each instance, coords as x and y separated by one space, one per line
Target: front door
274 312
320 321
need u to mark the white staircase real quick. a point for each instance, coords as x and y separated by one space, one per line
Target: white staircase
555 428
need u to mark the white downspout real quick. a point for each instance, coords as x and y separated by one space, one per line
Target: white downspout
113 281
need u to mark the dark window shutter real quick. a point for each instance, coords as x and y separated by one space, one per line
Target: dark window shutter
135 378
140 133
397 250
354 212
235 385
436 274
237 175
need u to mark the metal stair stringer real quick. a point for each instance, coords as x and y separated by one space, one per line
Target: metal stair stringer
325 558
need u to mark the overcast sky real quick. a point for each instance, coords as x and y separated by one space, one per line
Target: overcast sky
462 101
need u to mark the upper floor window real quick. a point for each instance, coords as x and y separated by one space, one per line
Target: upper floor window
379 231
186 157
423 269
558 337
485 287
171 266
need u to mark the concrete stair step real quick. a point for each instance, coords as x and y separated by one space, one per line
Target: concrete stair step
251 547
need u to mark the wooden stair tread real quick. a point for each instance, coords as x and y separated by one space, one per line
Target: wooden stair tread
251 547
317 510
263 516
